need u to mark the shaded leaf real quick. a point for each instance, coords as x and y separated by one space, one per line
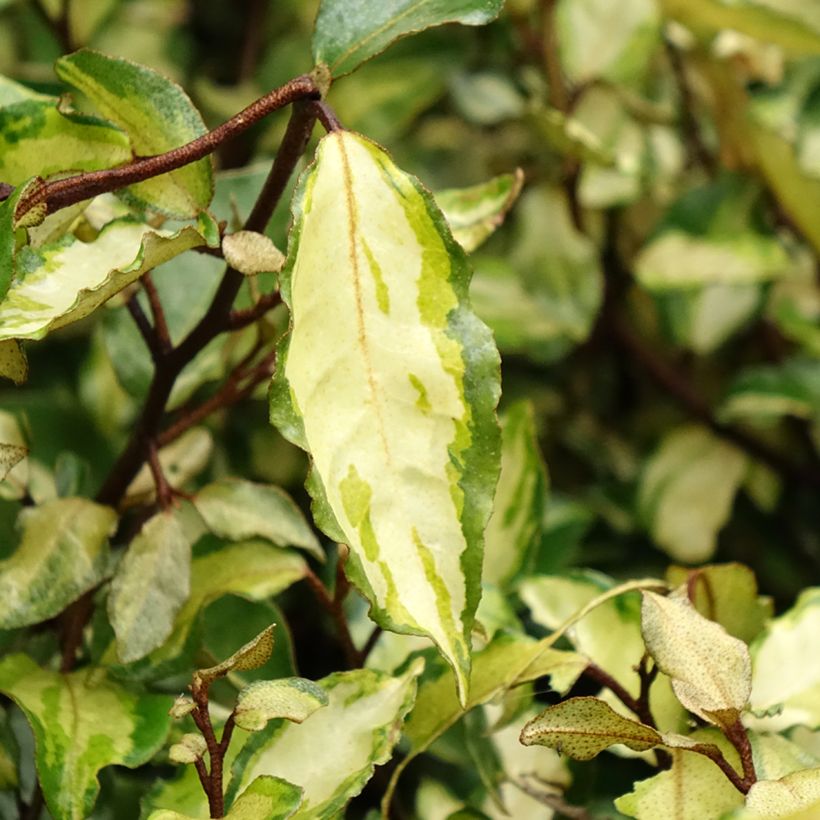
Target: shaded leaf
82 722
66 281
412 387
63 552
252 655
156 114
13 362
9 222
710 670
514 529
238 509
687 490
475 213
293 699
150 586
332 754
345 36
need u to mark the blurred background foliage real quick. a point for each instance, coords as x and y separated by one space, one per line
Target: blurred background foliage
654 292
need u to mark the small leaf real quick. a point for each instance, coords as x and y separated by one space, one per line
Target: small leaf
183 705
710 670
408 457
252 655
238 509
190 748
63 553
334 752
10 456
583 727
475 213
13 362
64 282
343 40
252 253
293 699
156 114
9 222
81 723
793 793
150 586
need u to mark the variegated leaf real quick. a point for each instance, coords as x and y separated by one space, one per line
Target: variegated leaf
82 722
64 282
474 213
332 754
394 397
156 114
294 699
10 221
151 584
518 508
62 554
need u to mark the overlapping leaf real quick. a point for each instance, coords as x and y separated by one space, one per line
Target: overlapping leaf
82 722
156 114
394 399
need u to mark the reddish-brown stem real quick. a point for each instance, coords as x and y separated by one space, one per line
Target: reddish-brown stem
242 318
332 604
371 641
165 492
326 116
147 332
64 192
605 679
739 738
157 312
716 756
213 781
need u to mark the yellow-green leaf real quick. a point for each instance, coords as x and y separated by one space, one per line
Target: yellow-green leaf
190 748
156 114
81 723
796 792
711 671
394 398
13 362
474 213
252 655
583 727
293 699
251 253
332 754
64 282
63 553
151 584
514 529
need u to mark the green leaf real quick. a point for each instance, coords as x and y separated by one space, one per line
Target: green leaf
82 722
294 699
156 114
792 24
150 586
251 569
514 529
252 655
726 593
767 392
267 798
793 793
601 40
10 456
506 662
711 671
238 509
252 253
345 36
693 789
687 490
31 129
63 553
332 754
583 727
783 672
13 362
475 213
408 455
9 222
66 281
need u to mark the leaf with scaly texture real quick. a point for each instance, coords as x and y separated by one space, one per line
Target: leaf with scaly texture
394 400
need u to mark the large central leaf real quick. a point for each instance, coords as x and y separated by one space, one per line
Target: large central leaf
390 382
